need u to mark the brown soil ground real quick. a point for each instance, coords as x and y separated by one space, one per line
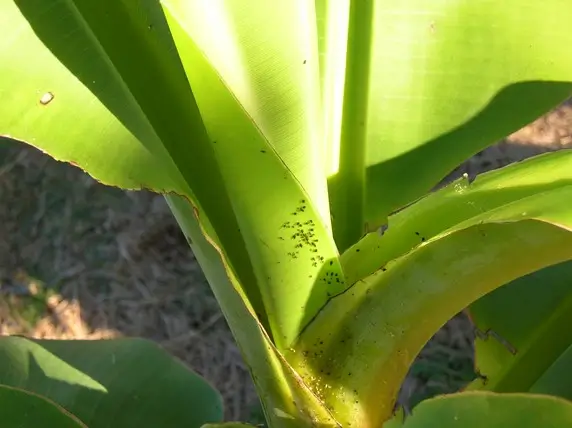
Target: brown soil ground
121 266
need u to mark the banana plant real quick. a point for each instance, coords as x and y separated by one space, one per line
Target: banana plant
295 143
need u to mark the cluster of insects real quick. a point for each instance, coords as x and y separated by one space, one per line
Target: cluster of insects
302 233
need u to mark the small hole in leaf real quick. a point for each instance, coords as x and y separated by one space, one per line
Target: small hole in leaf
46 98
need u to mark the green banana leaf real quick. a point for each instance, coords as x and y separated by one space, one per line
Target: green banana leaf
131 382
274 108
527 326
132 140
557 379
285 399
454 204
138 130
266 162
489 410
412 88
22 409
296 113
389 315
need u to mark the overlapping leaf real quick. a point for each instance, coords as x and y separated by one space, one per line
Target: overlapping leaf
145 129
96 103
525 330
255 143
285 399
557 380
259 104
454 204
413 88
115 102
389 315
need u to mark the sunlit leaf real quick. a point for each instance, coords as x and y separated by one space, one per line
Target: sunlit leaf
392 313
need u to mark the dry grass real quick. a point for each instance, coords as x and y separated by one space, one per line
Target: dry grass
78 260
118 265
